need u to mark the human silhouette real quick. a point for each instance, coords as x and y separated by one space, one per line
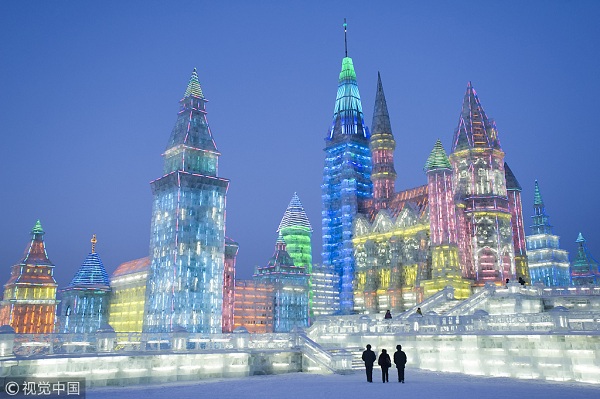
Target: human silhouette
419 311
369 358
400 362
388 315
385 362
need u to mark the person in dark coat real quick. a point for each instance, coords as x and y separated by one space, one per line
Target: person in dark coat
369 358
388 315
385 362
400 362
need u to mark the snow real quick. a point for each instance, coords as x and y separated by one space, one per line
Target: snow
419 384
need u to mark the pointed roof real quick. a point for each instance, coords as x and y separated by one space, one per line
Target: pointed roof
511 181
36 254
474 129
537 195
437 158
294 216
584 265
348 118
281 257
193 87
191 128
381 117
91 273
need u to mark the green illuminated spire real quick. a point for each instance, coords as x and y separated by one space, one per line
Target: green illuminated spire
537 196
193 88
437 158
37 229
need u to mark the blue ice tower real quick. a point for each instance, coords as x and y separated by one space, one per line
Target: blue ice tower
84 304
346 183
187 238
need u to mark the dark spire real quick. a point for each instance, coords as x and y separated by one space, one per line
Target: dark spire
511 181
381 117
345 38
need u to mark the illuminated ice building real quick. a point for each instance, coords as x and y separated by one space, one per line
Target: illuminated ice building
85 301
392 249
289 289
187 244
548 264
585 269
29 304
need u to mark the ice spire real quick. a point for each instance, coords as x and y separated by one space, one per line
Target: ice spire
193 87
92 271
348 118
294 216
36 252
511 181
537 196
474 129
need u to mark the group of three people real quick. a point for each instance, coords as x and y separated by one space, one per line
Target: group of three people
385 362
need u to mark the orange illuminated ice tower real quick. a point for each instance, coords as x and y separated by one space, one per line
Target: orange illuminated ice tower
29 304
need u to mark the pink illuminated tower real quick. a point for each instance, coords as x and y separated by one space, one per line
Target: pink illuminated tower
445 266
513 190
479 184
382 145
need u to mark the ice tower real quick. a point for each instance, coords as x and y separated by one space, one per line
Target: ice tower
584 270
187 244
346 181
513 190
445 265
29 304
290 289
296 231
382 145
548 264
84 305
484 217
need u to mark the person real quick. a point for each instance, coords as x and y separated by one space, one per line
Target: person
522 281
507 281
385 362
369 358
400 362
388 315
419 311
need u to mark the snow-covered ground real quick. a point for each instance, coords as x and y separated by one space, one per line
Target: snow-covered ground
419 384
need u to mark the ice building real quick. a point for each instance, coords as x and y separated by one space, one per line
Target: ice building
128 296
187 244
584 270
84 302
253 306
326 298
548 264
290 289
29 304
464 228
231 250
346 181
296 231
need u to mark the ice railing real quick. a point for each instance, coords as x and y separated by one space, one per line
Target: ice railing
431 303
49 344
335 361
558 321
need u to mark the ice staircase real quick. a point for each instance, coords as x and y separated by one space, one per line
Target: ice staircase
438 302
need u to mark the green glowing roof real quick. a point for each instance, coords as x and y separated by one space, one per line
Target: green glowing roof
37 229
438 158
193 88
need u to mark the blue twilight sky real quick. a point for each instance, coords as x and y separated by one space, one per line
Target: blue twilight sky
89 93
